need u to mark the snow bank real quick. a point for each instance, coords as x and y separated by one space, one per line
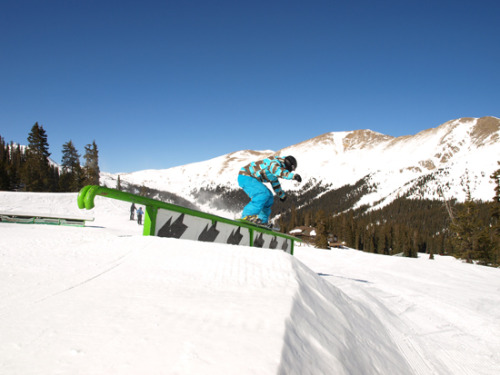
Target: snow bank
105 300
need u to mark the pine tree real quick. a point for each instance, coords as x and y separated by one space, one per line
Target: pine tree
16 162
483 247
4 165
350 229
321 241
468 236
495 218
414 245
91 168
53 178
293 217
72 175
35 172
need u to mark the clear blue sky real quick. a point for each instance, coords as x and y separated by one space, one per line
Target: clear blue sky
164 83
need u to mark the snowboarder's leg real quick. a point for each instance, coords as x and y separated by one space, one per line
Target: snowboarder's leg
266 210
258 193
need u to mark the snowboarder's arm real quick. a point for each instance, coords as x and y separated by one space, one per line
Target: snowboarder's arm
275 184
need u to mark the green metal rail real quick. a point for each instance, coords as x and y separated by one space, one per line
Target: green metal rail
168 220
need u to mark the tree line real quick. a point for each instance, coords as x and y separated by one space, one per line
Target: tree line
29 168
469 230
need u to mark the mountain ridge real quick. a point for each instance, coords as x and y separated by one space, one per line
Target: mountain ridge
442 161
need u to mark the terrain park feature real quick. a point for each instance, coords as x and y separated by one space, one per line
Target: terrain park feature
52 219
169 220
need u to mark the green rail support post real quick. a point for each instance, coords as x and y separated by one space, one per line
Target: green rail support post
150 221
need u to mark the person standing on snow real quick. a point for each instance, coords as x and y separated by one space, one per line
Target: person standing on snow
251 179
132 211
140 212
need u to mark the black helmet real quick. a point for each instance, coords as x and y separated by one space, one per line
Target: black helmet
290 163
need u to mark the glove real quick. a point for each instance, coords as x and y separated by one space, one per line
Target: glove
283 199
297 178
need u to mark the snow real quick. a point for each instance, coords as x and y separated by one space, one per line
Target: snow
103 299
448 157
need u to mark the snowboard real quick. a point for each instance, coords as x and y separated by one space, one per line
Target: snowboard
263 226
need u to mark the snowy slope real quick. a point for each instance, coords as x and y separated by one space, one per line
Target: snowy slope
105 300
445 157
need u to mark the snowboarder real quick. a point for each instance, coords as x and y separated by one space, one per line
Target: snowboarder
140 212
132 211
251 179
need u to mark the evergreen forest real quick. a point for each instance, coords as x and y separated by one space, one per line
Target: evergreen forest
29 168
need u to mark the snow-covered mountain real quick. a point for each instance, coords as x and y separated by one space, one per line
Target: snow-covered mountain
437 162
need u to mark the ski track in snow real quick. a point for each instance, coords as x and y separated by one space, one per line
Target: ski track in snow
105 300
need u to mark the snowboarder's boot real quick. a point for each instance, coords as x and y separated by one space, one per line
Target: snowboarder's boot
253 219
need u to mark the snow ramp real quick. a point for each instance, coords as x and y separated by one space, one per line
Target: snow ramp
169 220
150 305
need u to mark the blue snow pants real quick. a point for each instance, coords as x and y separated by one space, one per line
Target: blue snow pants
261 198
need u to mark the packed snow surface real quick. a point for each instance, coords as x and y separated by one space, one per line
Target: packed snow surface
103 299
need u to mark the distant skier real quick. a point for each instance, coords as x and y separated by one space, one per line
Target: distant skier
132 211
251 179
140 212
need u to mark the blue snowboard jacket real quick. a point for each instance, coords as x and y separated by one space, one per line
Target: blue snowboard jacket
269 170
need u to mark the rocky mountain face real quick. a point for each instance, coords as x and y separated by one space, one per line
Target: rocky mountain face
367 167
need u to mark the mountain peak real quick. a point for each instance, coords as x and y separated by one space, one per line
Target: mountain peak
365 138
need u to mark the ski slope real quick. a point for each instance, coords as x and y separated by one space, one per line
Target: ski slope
103 299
